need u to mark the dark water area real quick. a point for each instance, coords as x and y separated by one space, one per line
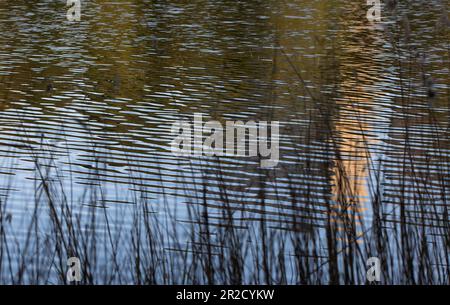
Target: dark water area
86 110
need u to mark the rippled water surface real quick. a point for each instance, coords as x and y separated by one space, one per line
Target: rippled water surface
93 103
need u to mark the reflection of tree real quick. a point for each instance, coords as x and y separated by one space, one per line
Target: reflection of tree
341 69
216 57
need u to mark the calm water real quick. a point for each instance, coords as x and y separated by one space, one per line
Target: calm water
100 96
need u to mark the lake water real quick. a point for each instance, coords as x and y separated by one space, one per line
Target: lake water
363 108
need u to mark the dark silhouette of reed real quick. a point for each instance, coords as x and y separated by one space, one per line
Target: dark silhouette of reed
302 236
